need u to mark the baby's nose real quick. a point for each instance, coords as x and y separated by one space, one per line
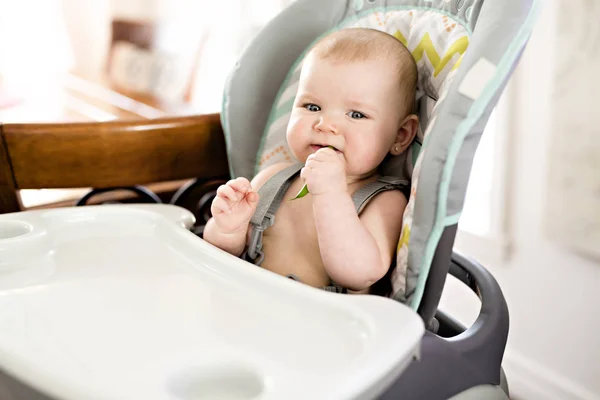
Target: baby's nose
326 124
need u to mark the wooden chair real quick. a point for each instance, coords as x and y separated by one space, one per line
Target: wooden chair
115 154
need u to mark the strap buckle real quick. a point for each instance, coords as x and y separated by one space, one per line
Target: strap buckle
255 252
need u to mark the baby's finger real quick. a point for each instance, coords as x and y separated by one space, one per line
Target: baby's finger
315 157
227 192
329 156
314 160
219 206
304 172
240 184
252 198
321 155
325 150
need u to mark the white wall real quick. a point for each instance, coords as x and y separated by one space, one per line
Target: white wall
88 26
32 44
88 23
552 293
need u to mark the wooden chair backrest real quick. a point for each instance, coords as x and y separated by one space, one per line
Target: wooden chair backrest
108 154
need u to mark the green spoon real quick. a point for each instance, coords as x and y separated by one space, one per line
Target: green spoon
304 191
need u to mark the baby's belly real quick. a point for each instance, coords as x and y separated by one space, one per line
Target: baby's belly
299 258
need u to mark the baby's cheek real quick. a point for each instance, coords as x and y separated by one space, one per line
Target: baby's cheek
365 158
296 137
293 128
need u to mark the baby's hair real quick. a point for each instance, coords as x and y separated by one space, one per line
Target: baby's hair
360 44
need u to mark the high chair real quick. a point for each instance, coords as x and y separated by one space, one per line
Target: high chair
214 323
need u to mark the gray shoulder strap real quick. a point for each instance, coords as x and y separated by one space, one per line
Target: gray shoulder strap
270 197
272 192
363 195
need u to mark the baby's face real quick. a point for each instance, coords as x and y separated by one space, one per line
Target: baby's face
352 106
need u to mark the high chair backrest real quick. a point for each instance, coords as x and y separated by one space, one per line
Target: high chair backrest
465 51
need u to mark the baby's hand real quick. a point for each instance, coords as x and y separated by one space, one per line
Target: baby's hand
234 205
325 172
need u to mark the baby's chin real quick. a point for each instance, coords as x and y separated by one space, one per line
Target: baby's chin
361 175
362 169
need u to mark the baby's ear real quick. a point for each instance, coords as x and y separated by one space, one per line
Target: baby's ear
406 134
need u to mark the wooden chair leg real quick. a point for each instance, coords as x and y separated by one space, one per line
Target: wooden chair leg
9 198
9 201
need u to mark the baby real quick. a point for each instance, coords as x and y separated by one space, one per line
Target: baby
353 109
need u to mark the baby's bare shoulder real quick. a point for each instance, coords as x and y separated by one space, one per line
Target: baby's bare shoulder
390 204
266 174
382 217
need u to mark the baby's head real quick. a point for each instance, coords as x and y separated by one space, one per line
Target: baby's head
356 93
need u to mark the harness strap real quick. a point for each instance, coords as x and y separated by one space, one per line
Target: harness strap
270 196
272 192
363 195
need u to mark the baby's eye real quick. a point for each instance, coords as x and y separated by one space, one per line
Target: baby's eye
312 107
356 115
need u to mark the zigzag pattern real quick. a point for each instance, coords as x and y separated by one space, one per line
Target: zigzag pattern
426 46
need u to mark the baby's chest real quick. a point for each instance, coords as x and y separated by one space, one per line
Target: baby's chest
291 245
294 221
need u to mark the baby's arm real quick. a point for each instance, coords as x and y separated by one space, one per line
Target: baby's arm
232 210
357 252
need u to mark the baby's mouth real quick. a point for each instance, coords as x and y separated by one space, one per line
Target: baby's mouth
316 147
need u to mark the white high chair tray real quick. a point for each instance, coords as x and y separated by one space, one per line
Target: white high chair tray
123 302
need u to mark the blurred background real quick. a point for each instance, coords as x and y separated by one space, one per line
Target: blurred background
532 213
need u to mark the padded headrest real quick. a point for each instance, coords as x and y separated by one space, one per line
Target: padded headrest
437 43
436 34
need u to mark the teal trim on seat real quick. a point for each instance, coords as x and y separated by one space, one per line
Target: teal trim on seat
452 219
475 112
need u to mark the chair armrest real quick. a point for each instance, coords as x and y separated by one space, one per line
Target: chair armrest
484 341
